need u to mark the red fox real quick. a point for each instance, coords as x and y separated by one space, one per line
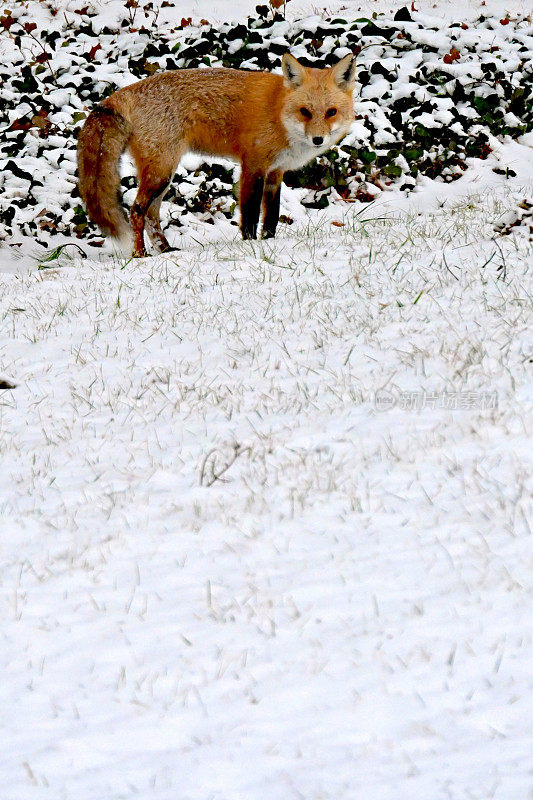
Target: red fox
269 123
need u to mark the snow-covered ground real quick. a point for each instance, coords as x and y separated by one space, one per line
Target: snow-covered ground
266 508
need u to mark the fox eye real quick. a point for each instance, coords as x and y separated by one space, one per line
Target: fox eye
305 113
331 112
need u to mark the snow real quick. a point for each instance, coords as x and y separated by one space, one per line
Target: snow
266 506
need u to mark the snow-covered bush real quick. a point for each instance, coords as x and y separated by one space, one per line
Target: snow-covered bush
430 97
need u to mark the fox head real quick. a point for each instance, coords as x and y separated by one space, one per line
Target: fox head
318 108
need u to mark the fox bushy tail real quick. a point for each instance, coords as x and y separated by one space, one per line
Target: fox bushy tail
101 142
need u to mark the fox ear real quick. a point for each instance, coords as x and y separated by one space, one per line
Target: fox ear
344 72
293 71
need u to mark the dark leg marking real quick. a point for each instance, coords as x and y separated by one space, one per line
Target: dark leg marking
271 202
251 196
137 223
153 222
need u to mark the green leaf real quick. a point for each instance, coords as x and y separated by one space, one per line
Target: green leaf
393 171
367 156
55 253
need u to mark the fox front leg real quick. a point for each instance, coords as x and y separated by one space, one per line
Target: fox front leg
271 198
251 195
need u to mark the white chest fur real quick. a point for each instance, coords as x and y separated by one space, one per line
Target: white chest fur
301 150
297 154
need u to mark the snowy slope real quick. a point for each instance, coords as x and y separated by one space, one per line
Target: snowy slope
266 507
344 612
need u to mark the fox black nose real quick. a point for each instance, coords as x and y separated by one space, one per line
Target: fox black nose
318 140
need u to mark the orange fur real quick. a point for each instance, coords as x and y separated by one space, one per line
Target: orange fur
269 123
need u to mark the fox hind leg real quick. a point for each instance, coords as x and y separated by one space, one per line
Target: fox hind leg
153 224
150 187
155 175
